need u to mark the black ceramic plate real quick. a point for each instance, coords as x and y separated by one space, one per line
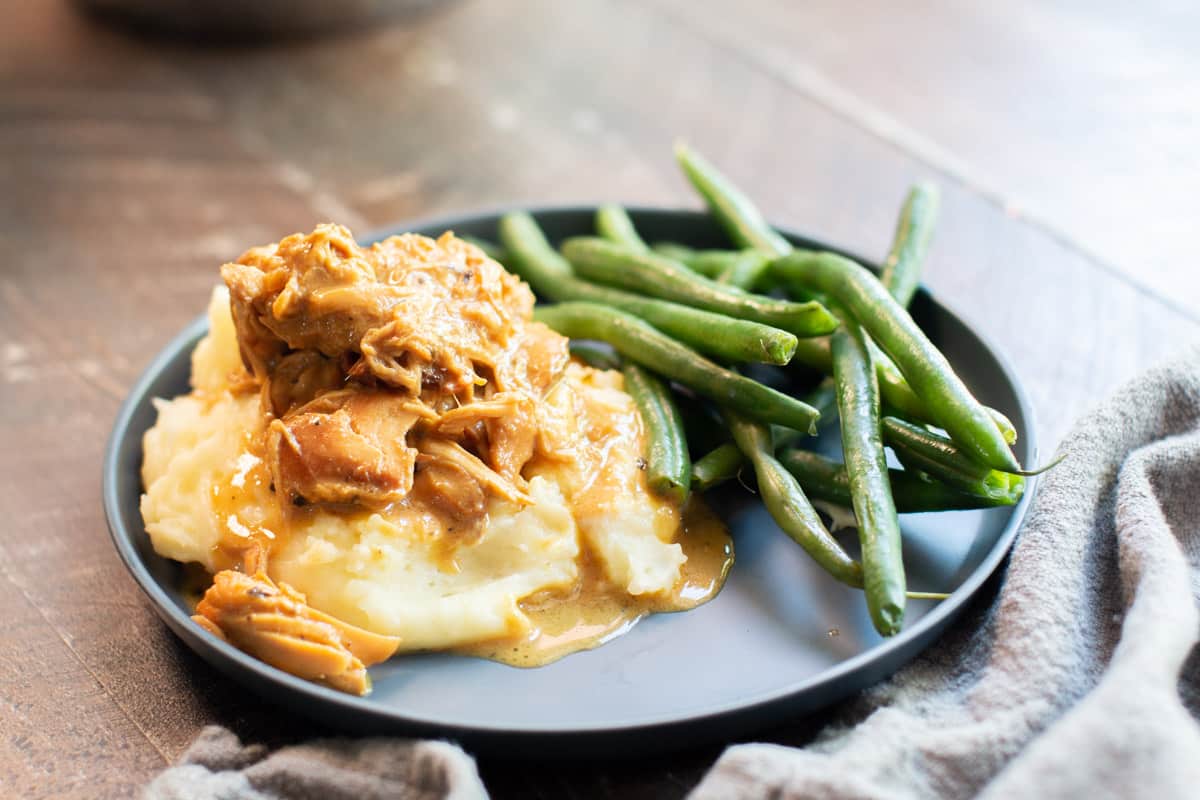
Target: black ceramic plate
781 639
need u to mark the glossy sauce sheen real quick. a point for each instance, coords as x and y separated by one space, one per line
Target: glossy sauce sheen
240 533
595 612
592 613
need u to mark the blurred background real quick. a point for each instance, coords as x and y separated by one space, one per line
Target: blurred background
1081 116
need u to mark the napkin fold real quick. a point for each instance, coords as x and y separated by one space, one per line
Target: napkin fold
1080 680
218 767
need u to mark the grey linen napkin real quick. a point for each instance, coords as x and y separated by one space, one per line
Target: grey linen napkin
218 767
1077 681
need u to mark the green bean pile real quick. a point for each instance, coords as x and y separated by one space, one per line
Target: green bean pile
683 323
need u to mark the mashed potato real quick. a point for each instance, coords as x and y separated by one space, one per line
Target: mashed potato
390 571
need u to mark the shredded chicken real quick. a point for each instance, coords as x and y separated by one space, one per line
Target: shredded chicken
274 623
375 363
409 372
440 451
418 313
508 421
298 378
346 446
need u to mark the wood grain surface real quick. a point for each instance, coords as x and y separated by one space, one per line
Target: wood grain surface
132 167
1025 101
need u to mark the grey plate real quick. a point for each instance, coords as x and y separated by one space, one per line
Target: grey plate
782 639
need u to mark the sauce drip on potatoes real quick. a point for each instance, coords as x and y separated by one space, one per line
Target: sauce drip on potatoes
594 611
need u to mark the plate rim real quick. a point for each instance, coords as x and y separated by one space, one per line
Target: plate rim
208 646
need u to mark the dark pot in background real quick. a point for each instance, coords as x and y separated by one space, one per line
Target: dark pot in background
251 19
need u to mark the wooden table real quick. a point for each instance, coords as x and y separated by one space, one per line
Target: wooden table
131 167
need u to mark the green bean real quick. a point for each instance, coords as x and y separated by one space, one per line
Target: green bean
902 269
646 272
725 338
668 465
937 456
898 397
744 270
681 253
717 263
724 461
815 352
824 399
636 341
615 225
712 263
1007 429
721 464
529 251
901 274
895 390
718 465
719 336
595 355
490 249
825 479
738 214
899 400
866 467
950 403
733 209
786 503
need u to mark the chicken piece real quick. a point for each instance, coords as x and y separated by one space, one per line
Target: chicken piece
368 355
441 451
275 624
309 292
347 446
421 313
510 440
452 490
298 378
510 429
543 354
